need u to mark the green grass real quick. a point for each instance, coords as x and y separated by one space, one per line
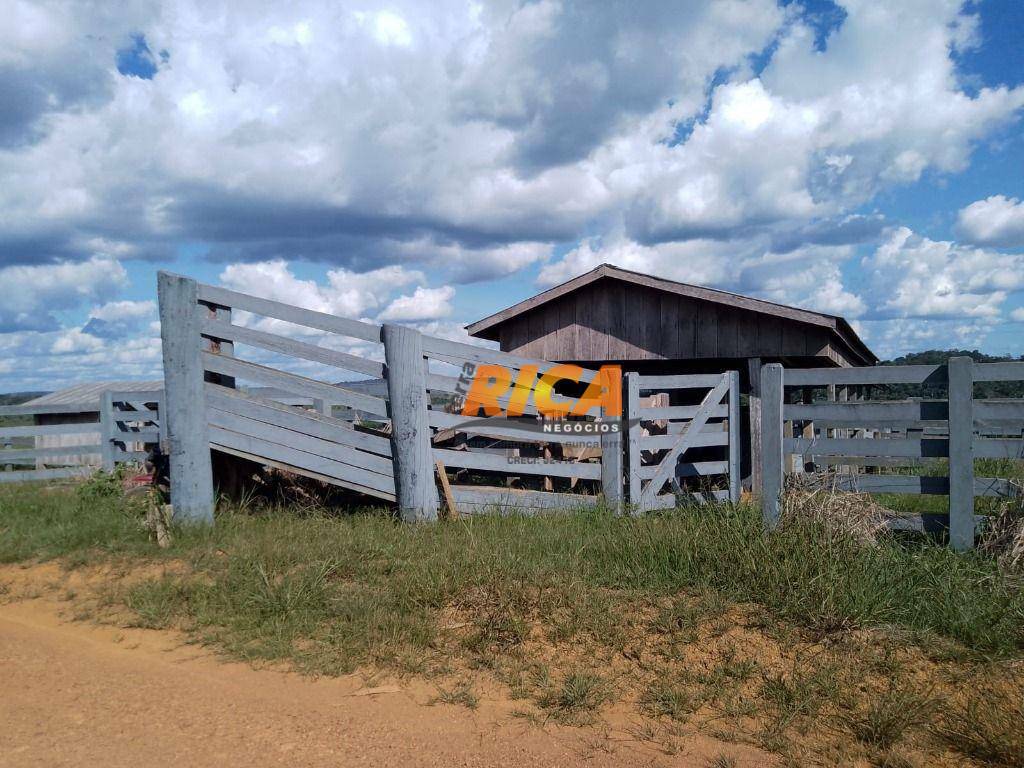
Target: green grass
574 611
266 584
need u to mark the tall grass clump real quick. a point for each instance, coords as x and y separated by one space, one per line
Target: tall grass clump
40 521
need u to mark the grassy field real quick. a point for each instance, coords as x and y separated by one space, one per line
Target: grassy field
805 642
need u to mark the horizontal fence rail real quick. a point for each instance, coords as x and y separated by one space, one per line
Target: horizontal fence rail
62 440
891 446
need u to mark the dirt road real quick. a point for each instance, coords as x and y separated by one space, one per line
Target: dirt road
73 693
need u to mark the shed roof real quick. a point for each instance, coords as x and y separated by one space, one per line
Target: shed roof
487 328
90 392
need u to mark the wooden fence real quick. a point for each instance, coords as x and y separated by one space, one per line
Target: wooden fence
207 352
118 428
407 439
882 435
663 438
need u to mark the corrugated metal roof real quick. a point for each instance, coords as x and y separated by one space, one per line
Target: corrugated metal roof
89 392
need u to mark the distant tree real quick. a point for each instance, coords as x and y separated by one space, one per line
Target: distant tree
17 398
988 389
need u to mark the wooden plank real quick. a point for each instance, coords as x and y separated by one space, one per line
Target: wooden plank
371 463
449 500
36 430
314 424
669 308
290 382
19 456
997 448
485 427
882 374
734 437
999 371
899 447
631 403
679 381
689 469
24 476
292 348
136 436
290 314
512 465
926 523
144 415
683 411
707 330
728 334
144 396
47 410
665 501
410 429
265 461
961 453
482 497
754 408
217 345
612 463
107 428
917 484
865 414
686 440
184 405
991 411
121 456
868 461
703 440
367 482
772 388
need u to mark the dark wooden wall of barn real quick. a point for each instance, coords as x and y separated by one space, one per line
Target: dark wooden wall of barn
612 320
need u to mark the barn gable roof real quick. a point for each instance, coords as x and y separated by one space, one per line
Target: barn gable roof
89 393
487 328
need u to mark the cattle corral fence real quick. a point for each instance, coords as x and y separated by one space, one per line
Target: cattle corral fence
120 427
235 364
892 441
214 338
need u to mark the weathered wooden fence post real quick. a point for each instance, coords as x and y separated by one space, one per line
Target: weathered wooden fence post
411 451
612 445
771 443
108 427
754 405
734 437
631 407
184 401
961 453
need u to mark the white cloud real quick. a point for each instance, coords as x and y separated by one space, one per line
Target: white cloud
349 294
32 294
918 277
124 310
471 141
304 130
1017 315
892 338
423 304
995 221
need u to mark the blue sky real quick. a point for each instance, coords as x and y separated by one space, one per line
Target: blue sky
431 163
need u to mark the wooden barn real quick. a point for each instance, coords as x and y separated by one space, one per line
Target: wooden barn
656 326
79 404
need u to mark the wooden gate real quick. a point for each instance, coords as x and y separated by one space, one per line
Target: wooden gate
693 448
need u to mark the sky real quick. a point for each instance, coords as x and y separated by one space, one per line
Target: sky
434 162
